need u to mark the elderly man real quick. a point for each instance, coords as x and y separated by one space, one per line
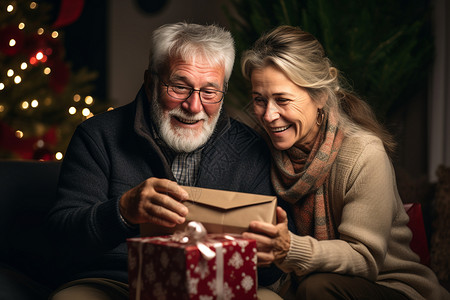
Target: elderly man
124 167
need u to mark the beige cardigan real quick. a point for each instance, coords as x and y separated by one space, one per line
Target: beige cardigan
374 238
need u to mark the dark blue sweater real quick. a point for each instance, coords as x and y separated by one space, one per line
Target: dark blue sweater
112 153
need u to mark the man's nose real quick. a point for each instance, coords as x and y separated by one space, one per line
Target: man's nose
193 104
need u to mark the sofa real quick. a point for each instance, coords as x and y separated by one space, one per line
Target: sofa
28 269
27 255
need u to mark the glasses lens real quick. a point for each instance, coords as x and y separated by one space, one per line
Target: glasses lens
181 92
210 96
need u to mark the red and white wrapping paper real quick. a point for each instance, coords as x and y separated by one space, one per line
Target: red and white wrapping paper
163 269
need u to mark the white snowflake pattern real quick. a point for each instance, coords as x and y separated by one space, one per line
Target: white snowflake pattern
175 278
243 244
255 259
149 272
247 283
202 269
236 260
193 284
159 292
164 260
227 292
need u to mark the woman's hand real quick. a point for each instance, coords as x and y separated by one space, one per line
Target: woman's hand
273 241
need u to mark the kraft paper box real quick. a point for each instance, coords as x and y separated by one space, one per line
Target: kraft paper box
221 211
161 269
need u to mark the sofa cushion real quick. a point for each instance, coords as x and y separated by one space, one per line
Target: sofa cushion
28 191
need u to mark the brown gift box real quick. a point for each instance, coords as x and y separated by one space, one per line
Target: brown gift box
221 211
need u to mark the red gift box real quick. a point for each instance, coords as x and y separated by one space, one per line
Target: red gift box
160 268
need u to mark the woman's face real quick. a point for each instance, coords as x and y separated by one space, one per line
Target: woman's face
286 111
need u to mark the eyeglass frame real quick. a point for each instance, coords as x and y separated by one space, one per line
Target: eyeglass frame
192 90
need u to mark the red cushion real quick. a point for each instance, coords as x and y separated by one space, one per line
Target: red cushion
419 243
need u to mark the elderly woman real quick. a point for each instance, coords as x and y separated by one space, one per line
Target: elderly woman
331 164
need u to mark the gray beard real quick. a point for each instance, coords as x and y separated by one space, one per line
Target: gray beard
182 139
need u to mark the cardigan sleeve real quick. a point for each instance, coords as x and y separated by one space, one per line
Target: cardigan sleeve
368 210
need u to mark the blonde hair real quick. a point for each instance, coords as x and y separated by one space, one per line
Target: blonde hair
300 56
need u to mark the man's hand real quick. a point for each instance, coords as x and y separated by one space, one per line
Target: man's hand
273 241
156 201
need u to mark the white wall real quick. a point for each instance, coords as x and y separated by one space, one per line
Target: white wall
129 38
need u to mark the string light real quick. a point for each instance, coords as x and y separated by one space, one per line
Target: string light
47 70
88 100
34 103
21 25
19 134
86 112
23 66
2 86
55 34
72 110
9 8
58 155
17 79
76 98
2 108
40 143
12 42
33 5
40 31
10 73
25 105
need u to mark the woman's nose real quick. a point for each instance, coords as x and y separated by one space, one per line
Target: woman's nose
271 113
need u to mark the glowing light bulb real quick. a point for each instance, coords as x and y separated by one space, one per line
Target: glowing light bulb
2 108
39 55
85 112
34 103
88 100
110 108
58 155
25 105
21 25
72 110
9 8
17 79
33 5
2 86
55 34
10 73
76 98
19 134
40 143
23 66
47 70
40 31
12 42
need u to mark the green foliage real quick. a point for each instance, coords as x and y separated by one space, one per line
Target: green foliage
383 48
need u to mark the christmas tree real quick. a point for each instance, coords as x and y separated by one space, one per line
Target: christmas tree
42 99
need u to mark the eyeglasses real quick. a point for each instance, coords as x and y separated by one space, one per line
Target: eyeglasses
182 92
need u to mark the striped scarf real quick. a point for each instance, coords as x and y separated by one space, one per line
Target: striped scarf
300 178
